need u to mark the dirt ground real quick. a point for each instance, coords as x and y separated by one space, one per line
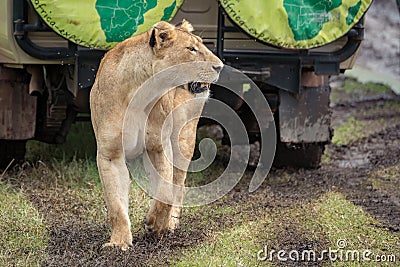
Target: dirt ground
76 241
366 170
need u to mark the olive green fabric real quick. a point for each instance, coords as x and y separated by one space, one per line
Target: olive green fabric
296 23
103 23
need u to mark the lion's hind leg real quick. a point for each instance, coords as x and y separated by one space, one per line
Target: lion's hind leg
115 179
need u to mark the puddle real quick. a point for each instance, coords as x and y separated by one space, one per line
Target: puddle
353 159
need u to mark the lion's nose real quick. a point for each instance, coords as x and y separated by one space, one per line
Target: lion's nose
217 68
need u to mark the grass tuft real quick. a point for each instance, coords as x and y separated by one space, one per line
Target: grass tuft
352 86
315 225
342 220
235 247
23 237
385 179
80 144
349 131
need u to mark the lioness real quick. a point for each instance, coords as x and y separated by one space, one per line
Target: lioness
122 71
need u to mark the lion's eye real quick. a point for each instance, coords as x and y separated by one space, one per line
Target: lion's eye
192 49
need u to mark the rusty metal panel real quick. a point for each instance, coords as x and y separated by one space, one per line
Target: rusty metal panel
17 107
305 117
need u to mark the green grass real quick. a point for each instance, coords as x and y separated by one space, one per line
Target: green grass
23 237
386 106
349 131
342 220
66 178
321 222
80 144
235 247
326 157
385 179
63 174
353 86
232 241
370 121
354 89
71 164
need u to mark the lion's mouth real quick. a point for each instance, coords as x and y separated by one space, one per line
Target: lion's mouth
197 87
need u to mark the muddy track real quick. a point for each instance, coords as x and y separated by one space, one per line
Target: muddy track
76 243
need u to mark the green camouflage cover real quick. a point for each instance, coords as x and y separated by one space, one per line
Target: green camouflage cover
296 23
103 23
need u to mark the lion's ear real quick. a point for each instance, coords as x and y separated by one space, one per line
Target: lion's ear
185 25
162 35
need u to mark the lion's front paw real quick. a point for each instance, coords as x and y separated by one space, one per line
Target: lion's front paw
122 246
120 242
156 225
157 220
174 218
173 223
161 227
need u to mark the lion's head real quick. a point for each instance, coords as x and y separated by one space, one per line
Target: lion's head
173 45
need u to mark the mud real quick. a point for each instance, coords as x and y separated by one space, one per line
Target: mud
78 242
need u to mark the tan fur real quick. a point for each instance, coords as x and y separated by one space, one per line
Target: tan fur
122 71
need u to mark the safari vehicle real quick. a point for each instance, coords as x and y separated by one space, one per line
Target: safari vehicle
50 52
